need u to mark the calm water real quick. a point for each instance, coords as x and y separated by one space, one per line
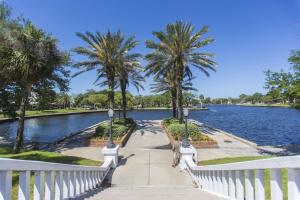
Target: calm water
263 125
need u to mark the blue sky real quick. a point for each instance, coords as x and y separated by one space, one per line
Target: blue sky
251 36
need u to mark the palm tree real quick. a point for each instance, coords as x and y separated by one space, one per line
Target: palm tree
104 53
129 72
176 52
168 85
35 58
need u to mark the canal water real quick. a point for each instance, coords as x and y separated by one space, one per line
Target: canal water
262 125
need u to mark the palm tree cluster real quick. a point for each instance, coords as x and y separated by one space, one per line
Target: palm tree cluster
173 56
170 62
109 54
30 60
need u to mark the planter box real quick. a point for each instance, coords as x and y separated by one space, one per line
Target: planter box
98 142
196 144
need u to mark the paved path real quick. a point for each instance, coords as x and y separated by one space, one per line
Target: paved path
145 170
229 145
147 159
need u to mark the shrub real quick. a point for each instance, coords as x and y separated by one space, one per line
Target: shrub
297 106
178 130
119 128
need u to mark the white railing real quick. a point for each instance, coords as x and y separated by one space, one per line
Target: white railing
246 180
51 180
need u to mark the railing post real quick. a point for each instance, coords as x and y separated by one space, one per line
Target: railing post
232 184
94 179
249 185
39 185
59 185
276 184
84 181
201 178
24 185
219 182
66 184
211 181
204 184
259 184
111 153
49 189
294 184
72 184
239 175
78 183
5 186
225 184
90 183
215 183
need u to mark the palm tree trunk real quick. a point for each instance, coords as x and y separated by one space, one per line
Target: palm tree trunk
20 131
111 94
179 103
173 96
124 100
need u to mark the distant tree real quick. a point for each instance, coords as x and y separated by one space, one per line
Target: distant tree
45 95
167 85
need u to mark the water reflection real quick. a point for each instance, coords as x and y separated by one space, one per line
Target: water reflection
263 125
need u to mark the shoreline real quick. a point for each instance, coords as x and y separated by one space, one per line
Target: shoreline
266 105
271 150
3 120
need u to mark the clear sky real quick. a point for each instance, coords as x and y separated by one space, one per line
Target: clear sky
251 35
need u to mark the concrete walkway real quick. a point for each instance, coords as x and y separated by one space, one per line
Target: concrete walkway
229 145
147 160
145 170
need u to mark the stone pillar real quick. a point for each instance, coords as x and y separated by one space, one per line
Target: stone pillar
111 153
187 153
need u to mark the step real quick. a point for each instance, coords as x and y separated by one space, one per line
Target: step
151 193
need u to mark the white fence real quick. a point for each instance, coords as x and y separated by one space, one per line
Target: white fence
246 180
51 180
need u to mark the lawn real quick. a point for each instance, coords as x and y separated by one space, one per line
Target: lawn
47 112
249 158
42 156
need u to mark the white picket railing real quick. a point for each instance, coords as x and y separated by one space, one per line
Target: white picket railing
245 180
51 180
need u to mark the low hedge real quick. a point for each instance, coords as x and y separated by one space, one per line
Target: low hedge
177 131
119 128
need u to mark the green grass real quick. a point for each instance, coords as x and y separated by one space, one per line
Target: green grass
267 105
284 173
42 156
47 112
119 128
231 160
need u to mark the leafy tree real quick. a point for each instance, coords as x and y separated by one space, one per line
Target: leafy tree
63 100
35 57
44 94
176 52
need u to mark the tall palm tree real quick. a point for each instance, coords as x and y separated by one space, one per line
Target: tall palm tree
104 52
35 58
129 72
168 85
176 52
